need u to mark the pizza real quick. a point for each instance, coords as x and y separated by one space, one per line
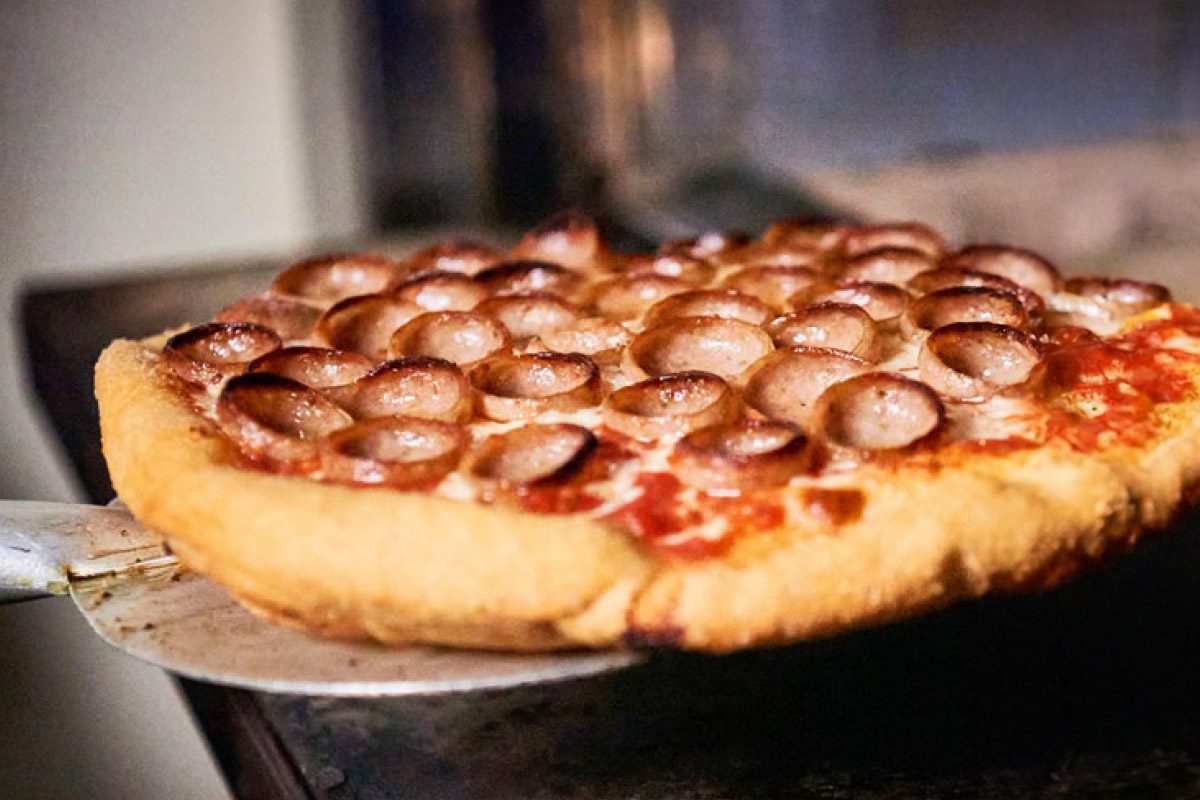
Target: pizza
726 443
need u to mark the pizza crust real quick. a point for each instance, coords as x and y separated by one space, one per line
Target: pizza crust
402 567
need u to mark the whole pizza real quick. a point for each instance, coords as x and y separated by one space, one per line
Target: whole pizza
726 443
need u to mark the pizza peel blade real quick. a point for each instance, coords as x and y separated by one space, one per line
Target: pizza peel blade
138 598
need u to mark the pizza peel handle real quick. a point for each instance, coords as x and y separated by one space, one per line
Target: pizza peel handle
138 598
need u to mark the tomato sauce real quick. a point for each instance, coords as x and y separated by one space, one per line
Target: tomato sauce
657 512
1120 382
834 506
1181 322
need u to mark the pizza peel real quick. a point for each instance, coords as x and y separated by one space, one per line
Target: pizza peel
140 599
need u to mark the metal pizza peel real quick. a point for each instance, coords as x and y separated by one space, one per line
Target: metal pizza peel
139 599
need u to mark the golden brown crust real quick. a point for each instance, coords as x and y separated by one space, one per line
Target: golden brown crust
396 566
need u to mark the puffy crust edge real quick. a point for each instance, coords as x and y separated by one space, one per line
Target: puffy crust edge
402 567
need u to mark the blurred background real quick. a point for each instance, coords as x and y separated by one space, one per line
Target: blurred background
159 140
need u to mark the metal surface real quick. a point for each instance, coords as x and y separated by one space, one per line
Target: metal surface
140 600
45 545
184 623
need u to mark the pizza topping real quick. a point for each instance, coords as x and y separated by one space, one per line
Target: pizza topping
835 507
883 301
962 304
896 265
530 314
595 337
723 303
951 277
806 235
1105 393
463 337
315 367
569 238
1116 298
656 511
724 347
431 388
670 405
742 455
468 258
442 291
909 235
401 452
210 353
692 271
533 454
878 412
1066 336
785 384
510 277
774 284
365 324
1116 365
761 254
837 326
277 420
519 387
290 319
706 245
628 297
679 369
1022 267
1175 328
974 360
328 279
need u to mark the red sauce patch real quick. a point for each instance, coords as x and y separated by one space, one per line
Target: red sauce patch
1182 322
657 515
834 506
656 512
1104 394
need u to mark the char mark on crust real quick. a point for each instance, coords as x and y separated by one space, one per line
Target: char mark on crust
654 637
1065 565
